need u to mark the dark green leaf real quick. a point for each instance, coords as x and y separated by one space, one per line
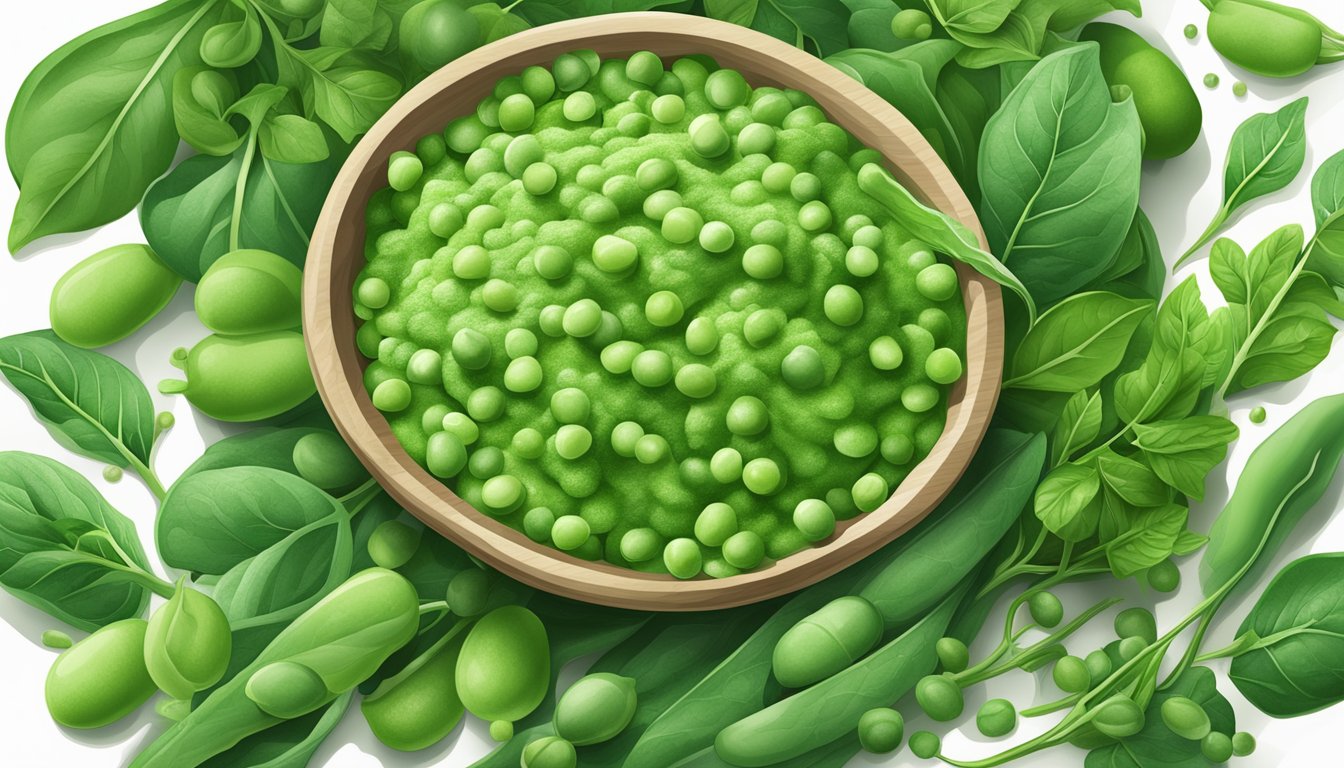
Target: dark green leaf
1077 342
1178 364
1138 270
92 404
1327 203
1183 452
1132 480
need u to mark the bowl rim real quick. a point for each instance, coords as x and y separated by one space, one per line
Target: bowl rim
338 367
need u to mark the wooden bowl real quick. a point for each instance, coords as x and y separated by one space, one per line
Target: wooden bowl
337 254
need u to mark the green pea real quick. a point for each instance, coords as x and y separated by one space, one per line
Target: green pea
925 744
503 671
726 88
111 295
102 678
870 491
663 308
596 708
943 366
1098 665
996 718
911 24
646 68
826 641
573 441
715 524
763 261
682 558
744 549
1046 609
523 375
660 202
503 494
814 519
696 380
937 282
885 353
549 752
777 177
897 449
251 291
570 532
1136 622
803 368
286 689
682 225
1168 109
1211 80
881 730
469 590
465 134
651 449
953 654
323 459
461 426
247 378
624 438
1258 414
187 643
393 543
501 730
814 216
404 170
417 707
701 336
639 545
1243 744
855 440
1190 31
1266 38
843 305
1164 577
55 638
516 113
652 368
918 398
614 254
435 32
499 295
1216 747
1131 647
579 106
726 465
1118 717
940 698
668 109
1071 675
1239 89
539 178
708 137
1185 718
471 349
392 396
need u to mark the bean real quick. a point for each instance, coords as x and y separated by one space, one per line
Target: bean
501 730
596 708
246 378
1243 744
187 643
682 558
1216 747
940 698
323 459
708 137
762 476
435 32
1168 108
997 717
1267 38
826 642
503 671
419 706
1211 81
1131 647
1185 718
110 295
1098 665
251 291
549 752
881 730
55 638
1164 577
286 689
102 678
803 368
1046 609
404 170
715 524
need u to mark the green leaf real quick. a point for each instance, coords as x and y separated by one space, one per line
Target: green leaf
1030 30
1295 665
91 127
1133 481
234 43
1065 501
538 12
1059 170
271 447
1174 372
1077 342
92 404
1157 745
1266 153
214 520
1183 452
1149 540
1327 203
356 24
66 550
939 230
973 16
1078 426
793 21
290 744
1138 270
346 89
191 217
292 139
201 100
497 23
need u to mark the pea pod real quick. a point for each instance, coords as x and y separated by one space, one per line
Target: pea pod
246 378
419 706
504 669
249 291
110 295
827 641
102 678
343 639
1271 39
188 643
1168 108
1284 477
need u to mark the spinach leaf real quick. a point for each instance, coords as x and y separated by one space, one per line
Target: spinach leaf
1138 270
66 550
1059 170
1132 480
969 97
1147 539
92 404
974 16
797 22
1291 645
212 521
1067 501
1078 426
1077 342
939 230
1030 30
91 126
1183 353
357 24
1265 154
290 744
208 206
1158 745
538 12
1183 452
870 25
1326 253
271 447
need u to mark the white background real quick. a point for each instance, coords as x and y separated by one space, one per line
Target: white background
1179 195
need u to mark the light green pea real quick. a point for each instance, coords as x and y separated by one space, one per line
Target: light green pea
814 519
393 543
814 216
996 718
503 494
911 24
682 225
682 558
701 336
579 106
660 202
881 730
716 237
516 113
523 375
805 187
537 524
445 455
392 396
855 440
503 669
596 708
715 524
570 406
552 262
1217 747
485 403
870 491
614 254
640 545
943 366
652 368
471 349
539 178
696 380
668 109
323 459
747 416
625 437
645 68
520 342
756 138
651 449
726 88
655 173
763 261
708 137
861 261
1186 718
461 426
582 318
549 752
744 550
570 532
286 689
885 353
573 441
619 356
528 443
445 219
726 465
112 294
499 295
471 262
843 305
762 476
918 398
425 367
404 170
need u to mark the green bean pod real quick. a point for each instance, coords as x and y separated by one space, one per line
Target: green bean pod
249 291
245 378
343 639
110 295
102 678
832 708
1270 39
1284 477
419 706
504 669
826 641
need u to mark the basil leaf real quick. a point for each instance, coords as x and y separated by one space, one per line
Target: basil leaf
90 127
92 404
1265 154
1078 426
66 550
212 521
1158 745
796 22
1327 203
973 16
939 230
1168 382
1148 541
1077 342
1184 452
1067 501
1133 481
1292 665
1059 171
191 217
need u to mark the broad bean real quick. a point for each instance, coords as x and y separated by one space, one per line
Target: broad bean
596 708
102 678
286 689
1271 39
504 669
1186 718
110 295
249 291
393 543
247 378
1168 108
827 641
187 643
419 706
323 459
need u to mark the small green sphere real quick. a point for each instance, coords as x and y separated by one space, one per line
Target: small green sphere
843 305
570 532
814 519
925 744
996 718
640 545
682 558
881 730
762 476
911 24
763 261
392 396
726 465
937 282
803 368
943 366
1046 609
747 416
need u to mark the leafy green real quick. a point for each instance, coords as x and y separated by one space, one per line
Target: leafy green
92 404
938 230
1138 270
1327 203
1077 342
90 127
361 24
66 550
1266 153
973 16
271 447
797 22
1030 30
1078 426
1066 501
1146 540
1059 170
1158 745
212 521
290 744
1182 452
1182 356
1290 649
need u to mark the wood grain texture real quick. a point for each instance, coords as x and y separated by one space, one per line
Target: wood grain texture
337 254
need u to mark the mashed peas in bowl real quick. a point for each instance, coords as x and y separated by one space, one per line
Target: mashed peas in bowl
643 312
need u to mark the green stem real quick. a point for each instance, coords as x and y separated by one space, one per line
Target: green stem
240 189
1053 706
432 606
1244 350
1042 646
